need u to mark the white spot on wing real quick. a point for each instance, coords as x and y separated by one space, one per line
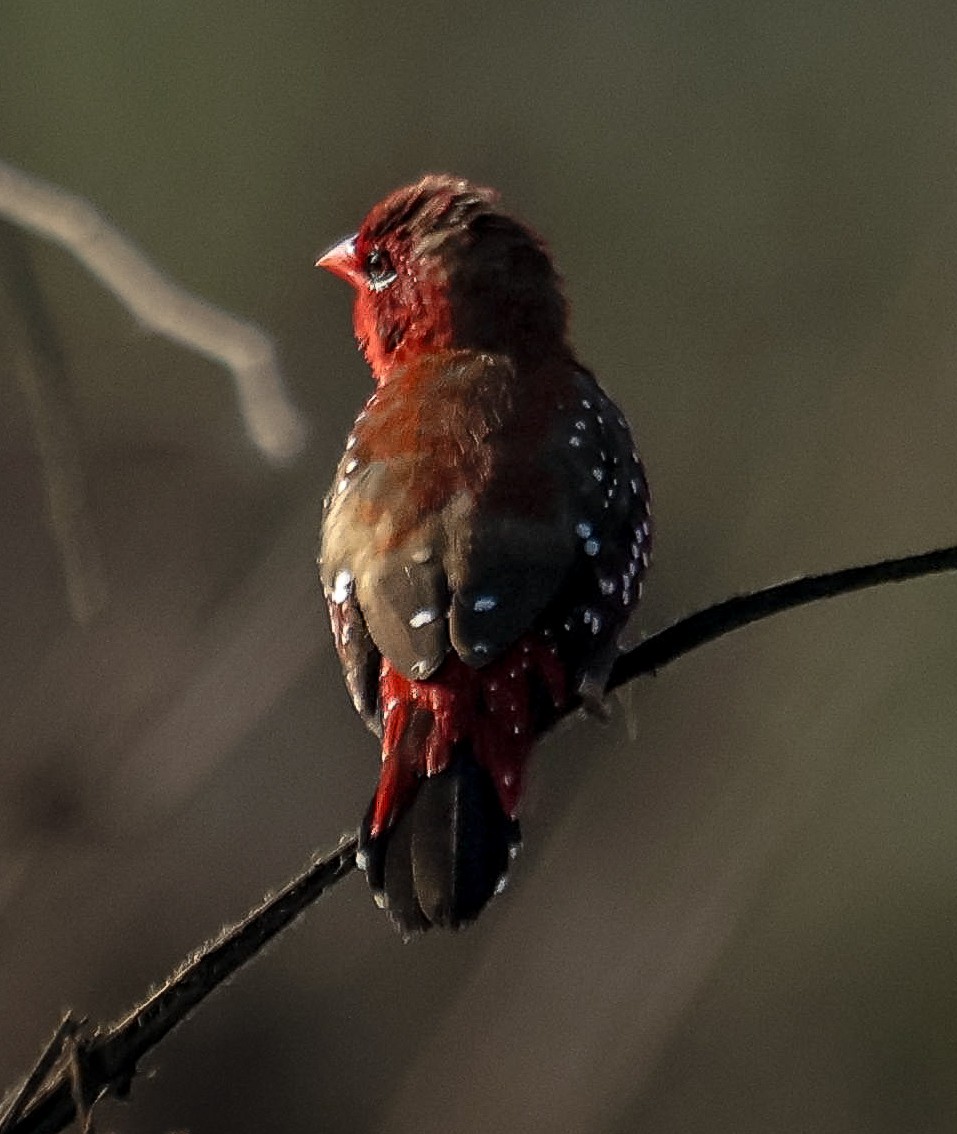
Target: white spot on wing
423 617
485 603
341 586
583 529
592 547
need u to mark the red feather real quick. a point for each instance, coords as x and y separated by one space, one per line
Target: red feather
484 539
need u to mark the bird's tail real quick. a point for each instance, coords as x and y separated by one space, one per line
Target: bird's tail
447 854
440 831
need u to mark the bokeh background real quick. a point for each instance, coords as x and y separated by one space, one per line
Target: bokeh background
735 910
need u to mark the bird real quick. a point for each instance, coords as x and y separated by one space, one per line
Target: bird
483 542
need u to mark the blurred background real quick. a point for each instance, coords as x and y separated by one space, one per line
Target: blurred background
735 910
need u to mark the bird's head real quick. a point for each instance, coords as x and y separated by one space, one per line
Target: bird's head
438 266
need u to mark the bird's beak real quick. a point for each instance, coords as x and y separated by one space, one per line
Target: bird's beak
341 260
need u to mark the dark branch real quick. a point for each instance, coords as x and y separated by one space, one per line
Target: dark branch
26 1093
109 1057
705 626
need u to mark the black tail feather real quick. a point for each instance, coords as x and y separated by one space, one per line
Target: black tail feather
447 854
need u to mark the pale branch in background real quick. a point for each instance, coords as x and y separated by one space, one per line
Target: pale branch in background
161 305
84 1067
38 364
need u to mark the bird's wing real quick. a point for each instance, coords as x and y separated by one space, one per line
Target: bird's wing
606 488
560 538
358 655
472 505
382 572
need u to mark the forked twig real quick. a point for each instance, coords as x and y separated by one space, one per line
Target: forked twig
110 1055
25 1094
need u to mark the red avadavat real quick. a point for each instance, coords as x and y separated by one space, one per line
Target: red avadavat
483 541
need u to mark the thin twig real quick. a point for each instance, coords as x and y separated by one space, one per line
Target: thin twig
111 1055
705 626
160 304
41 372
27 1091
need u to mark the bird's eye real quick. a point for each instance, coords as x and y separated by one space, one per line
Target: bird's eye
379 269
